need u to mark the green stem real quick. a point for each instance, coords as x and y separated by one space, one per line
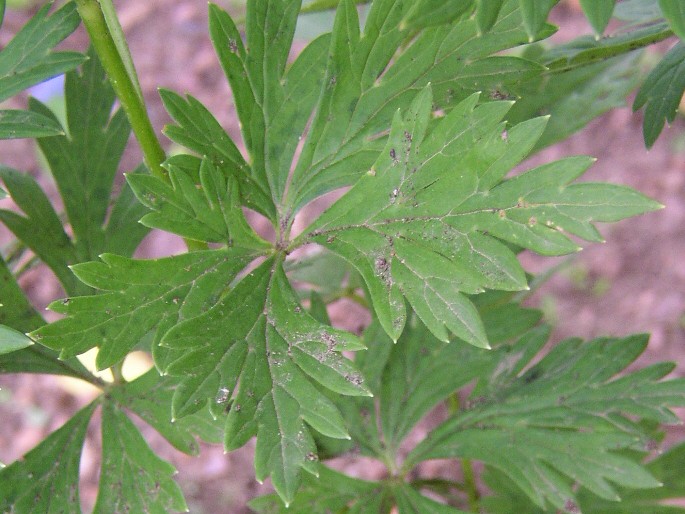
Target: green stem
118 373
124 87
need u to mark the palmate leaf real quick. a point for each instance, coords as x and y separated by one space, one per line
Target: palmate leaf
363 88
427 220
258 346
139 295
661 93
666 468
133 478
46 479
561 420
342 91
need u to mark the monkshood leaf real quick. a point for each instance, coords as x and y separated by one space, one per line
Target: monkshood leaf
137 295
561 420
258 353
427 221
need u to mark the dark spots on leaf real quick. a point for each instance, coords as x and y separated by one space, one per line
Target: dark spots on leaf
505 136
332 81
532 221
407 136
393 156
330 239
66 301
233 45
354 379
502 213
312 457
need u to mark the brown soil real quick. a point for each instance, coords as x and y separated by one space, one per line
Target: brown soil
633 283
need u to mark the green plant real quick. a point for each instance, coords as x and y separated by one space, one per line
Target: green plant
413 114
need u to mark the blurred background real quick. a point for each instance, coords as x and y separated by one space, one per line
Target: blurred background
635 282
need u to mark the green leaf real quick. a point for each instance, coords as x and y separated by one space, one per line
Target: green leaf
46 479
599 13
426 13
139 295
132 477
674 12
209 213
274 105
15 308
124 232
12 340
587 50
576 97
28 59
38 359
667 469
331 491
416 226
487 12
200 132
22 124
265 350
535 14
563 417
370 76
661 93
85 163
149 397
421 372
410 501
40 229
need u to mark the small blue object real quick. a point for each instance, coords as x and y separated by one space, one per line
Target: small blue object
49 89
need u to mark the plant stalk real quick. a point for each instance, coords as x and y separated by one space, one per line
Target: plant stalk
105 46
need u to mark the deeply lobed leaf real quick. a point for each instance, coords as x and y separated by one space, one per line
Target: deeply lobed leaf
139 295
426 222
266 352
563 417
